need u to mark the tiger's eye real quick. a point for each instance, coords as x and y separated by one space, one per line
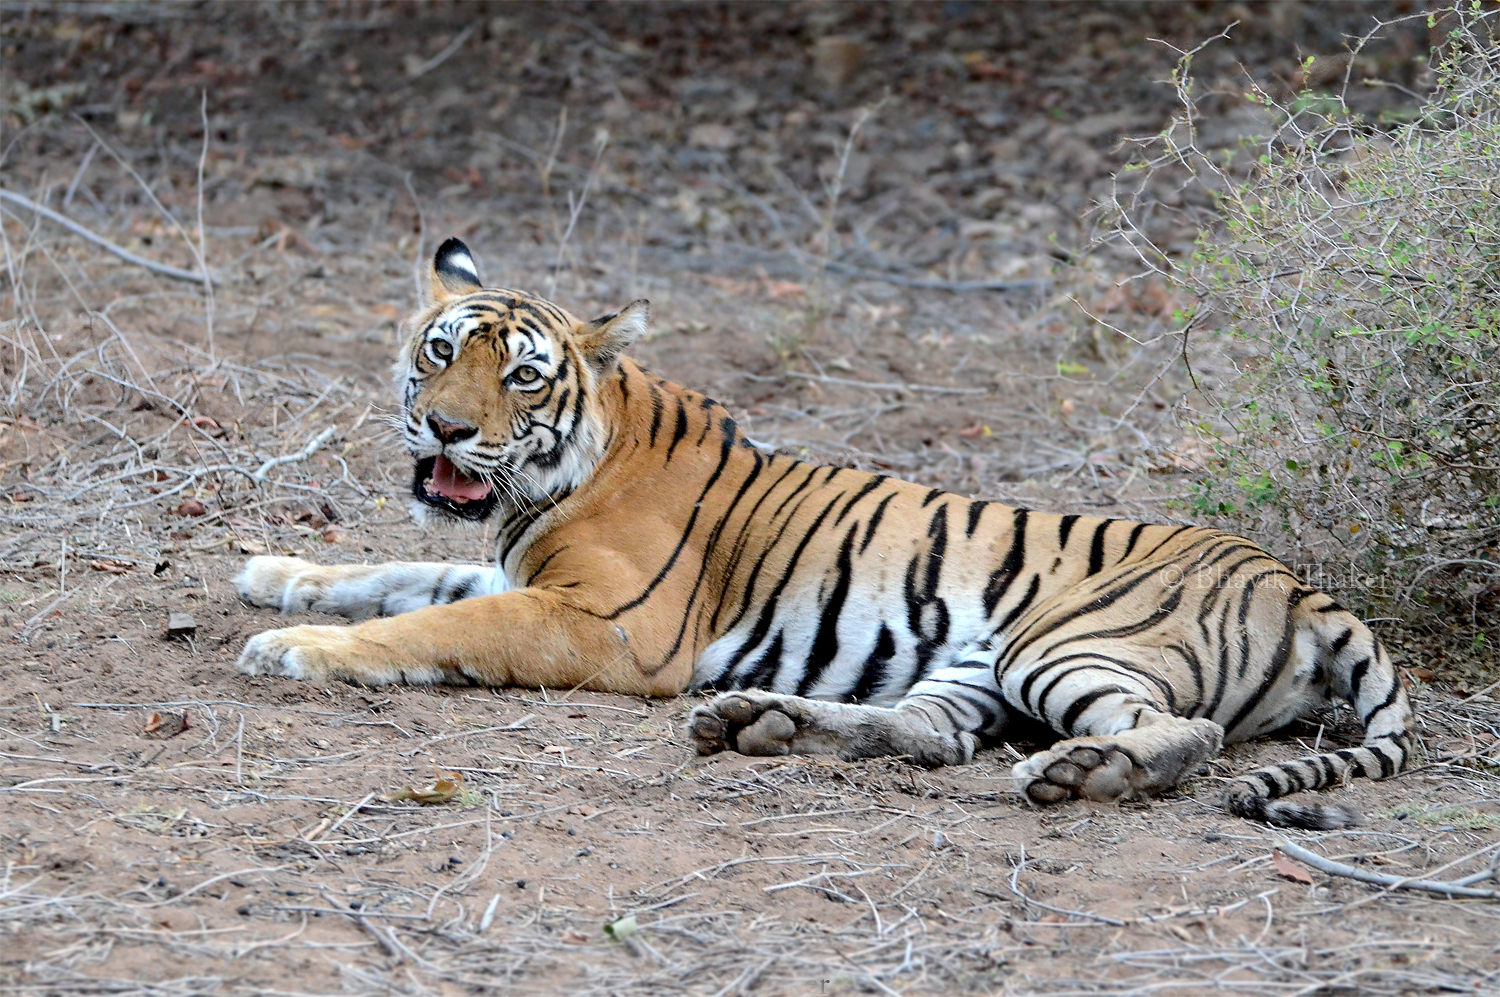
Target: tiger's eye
442 349
526 375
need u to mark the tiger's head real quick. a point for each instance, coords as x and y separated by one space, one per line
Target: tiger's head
500 391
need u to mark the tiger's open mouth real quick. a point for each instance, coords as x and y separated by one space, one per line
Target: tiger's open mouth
439 482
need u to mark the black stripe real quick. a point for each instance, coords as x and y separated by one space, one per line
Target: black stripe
1390 698
543 566
1083 702
922 593
763 672
931 497
1340 642
768 608
1096 549
1020 607
869 487
1357 678
1160 613
976 509
760 562
658 403
1355 765
876 666
1064 529
1279 659
1091 659
1001 579
679 431
707 555
737 551
825 645
875 519
725 447
1135 535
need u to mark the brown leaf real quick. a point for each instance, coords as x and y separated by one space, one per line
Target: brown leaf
192 507
113 567
442 791
165 725
1288 869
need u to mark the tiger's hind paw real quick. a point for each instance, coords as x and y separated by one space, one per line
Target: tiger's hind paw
1094 772
1141 761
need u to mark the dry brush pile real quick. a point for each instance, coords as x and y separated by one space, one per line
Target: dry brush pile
1348 280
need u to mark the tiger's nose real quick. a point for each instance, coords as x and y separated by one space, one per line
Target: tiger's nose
450 432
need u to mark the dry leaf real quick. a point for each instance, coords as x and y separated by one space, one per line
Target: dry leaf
192 507
113 567
1288 869
165 725
444 790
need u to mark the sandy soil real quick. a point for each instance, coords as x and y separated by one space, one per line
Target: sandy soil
171 827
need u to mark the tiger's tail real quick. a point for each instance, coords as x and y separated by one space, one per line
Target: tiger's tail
1361 672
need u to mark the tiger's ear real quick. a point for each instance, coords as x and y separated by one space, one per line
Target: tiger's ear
453 273
604 339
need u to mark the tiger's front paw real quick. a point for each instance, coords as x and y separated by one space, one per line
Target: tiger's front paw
273 581
297 652
326 654
747 722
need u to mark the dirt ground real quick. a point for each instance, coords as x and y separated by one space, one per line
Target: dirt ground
864 228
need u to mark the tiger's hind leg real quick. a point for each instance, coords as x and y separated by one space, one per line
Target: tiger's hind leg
1125 742
940 721
360 591
1359 671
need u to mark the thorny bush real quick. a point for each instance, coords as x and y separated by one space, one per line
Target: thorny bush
1351 271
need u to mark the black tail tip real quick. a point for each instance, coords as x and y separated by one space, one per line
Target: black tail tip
1279 813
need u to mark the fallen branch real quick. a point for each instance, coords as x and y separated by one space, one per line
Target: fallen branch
1381 879
103 243
1039 285
931 389
312 447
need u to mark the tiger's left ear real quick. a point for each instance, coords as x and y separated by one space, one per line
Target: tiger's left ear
604 339
452 274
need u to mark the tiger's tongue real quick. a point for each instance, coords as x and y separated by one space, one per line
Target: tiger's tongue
452 483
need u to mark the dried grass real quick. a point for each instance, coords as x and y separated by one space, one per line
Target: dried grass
1347 274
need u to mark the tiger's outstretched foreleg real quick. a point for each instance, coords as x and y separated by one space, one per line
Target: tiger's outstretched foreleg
940 721
360 591
1360 672
533 638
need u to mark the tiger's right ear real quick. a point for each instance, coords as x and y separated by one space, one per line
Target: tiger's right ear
452 274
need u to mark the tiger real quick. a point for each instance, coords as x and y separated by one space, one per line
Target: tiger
646 546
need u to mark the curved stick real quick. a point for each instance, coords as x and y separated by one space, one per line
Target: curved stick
103 243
